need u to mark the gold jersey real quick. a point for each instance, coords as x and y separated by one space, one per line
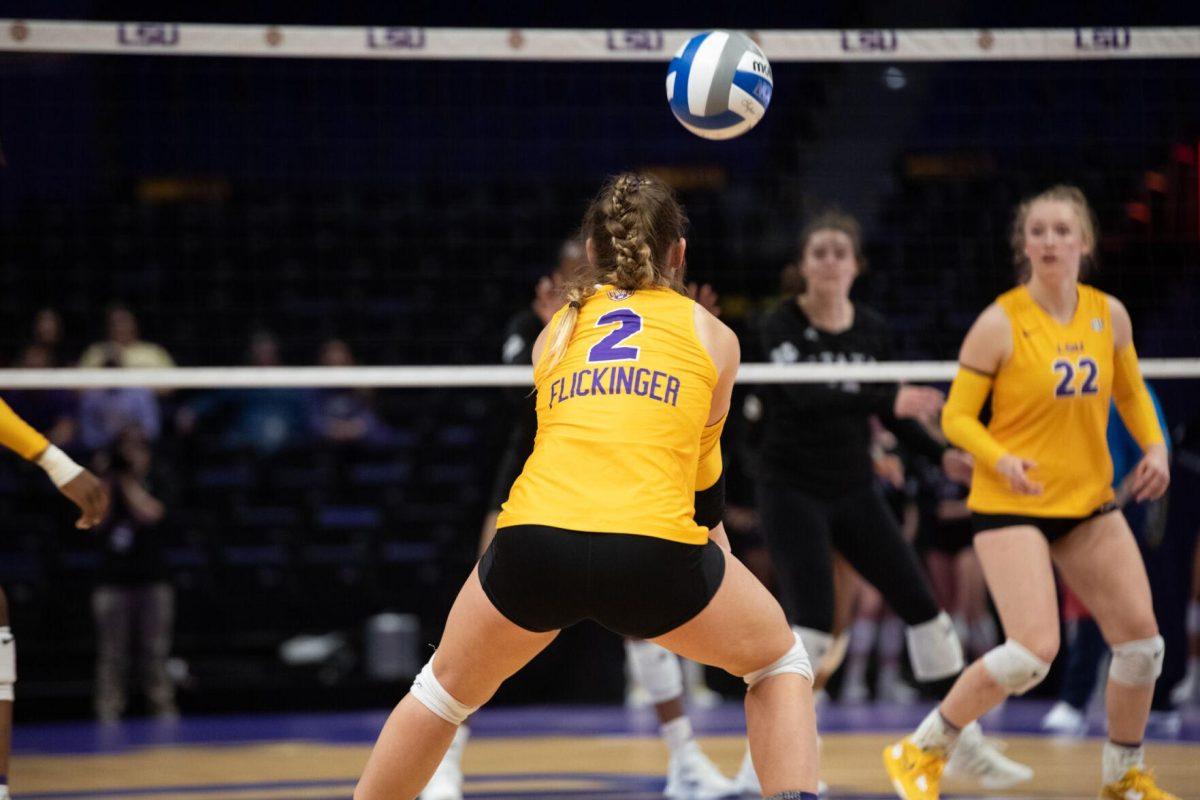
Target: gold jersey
1050 404
16 435
620 418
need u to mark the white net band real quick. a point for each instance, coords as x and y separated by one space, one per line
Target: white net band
481 376
600 44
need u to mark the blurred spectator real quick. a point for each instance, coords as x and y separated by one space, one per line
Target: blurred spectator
52 411
346 415
105 413
123 344
48 335
263 419
132 596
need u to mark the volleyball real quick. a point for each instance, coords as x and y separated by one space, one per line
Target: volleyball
719 84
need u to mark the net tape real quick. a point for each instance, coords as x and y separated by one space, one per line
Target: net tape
598 44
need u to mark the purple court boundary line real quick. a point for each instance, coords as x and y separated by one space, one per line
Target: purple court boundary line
358 728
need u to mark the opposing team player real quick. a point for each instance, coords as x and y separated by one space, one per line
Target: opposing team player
818 494
616 514
1051 353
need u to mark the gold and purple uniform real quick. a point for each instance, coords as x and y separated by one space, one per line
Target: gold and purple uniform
621 423
1050 404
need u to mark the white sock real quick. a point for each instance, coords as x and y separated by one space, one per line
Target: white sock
1117 759
934 733
677 733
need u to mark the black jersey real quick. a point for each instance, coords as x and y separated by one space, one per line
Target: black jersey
520 334
817 435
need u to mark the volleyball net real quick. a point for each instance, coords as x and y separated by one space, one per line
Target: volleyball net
261 197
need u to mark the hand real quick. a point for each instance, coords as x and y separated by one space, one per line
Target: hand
546 299
706 296
958 466
922 402
1152 475
1016 469
86 491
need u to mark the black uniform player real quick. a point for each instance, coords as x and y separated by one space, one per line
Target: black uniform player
818 493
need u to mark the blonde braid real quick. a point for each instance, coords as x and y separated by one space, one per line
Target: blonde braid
635 264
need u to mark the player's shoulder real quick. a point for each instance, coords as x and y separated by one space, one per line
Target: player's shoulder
717 337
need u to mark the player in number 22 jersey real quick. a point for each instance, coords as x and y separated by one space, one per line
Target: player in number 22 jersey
1052 353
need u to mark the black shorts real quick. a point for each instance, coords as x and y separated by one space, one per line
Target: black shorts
948 536
1053 528
546 579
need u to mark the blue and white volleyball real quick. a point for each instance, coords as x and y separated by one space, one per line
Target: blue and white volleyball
719 84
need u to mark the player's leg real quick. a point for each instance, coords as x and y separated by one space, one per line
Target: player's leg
157 608
1017 567
743 630
690 774
479 650
1101 563
8 677
797 529
866 533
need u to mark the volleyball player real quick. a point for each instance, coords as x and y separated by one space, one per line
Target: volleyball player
818 494
1051 353
690 774
616 514
83 489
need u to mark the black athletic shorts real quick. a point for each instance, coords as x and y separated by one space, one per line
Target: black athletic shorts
546 579
1053 528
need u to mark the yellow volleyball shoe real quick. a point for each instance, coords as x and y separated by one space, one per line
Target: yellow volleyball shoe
915 773
1137 784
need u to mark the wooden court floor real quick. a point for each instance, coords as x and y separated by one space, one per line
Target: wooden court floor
515 765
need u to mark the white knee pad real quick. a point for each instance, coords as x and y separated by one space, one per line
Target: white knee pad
1015 668
8 663
426 688
794 661
817 644
1137 663
934 649
656 669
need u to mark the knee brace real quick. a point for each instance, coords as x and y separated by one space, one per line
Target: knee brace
656 669
1137 663
934 649
1015 668
433 696
817 644
8 663
794 661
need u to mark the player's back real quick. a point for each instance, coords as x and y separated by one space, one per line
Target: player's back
619 421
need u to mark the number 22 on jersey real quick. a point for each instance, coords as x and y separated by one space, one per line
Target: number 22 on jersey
1067 370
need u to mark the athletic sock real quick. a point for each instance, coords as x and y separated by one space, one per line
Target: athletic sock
1118 758
677 733
935 733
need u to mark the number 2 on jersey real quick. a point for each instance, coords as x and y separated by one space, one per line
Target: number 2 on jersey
1067 370
608 349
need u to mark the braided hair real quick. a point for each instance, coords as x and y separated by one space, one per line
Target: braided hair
632 224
